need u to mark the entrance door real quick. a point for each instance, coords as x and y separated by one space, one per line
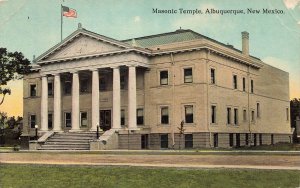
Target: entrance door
105 119
144 141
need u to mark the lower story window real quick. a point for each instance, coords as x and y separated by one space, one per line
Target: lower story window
216 140
188 141
50 121
122 118
231 140
32 121
83 119
68 119
164 143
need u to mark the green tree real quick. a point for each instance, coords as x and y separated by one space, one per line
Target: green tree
13 65
295 110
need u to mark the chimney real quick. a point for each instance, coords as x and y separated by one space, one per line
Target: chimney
245 43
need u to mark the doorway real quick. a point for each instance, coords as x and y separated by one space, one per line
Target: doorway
105 119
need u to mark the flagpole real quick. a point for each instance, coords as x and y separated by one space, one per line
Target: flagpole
61 22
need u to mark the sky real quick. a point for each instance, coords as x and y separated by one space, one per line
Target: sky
33 26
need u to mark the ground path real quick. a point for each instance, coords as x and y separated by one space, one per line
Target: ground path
261 161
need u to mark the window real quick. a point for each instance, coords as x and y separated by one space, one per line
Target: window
140 116
254 139
188 141
50 121
213 114
189 114
83 119
272 139
260 139
164 115
212 76
252 116
215 140
228 116
237 138
122 82
247 139
287 114
102 84
244 84
252 85
244 115
68 119
32 121
231 140
164 141
257 110
32 90
68 87
236 116
50 88
163 77
84 85
122 118
234 81
188 75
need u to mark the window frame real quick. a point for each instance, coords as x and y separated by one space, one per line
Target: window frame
165 141
103 83
164 117
244 84
188 142
235 81
228 111
139 119
186 116
83 112
252 86
50 120
236 116
84 88
31 94
187 78
68 90
50 91
31 122
212 75
161 79
69 120
213 118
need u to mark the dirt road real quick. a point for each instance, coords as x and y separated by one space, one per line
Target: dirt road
190 161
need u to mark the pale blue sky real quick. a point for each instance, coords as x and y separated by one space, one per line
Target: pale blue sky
33 26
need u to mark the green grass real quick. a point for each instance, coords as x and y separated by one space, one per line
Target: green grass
96 176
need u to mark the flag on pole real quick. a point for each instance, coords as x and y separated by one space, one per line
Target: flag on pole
68 12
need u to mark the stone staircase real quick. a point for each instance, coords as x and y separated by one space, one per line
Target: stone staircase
69 141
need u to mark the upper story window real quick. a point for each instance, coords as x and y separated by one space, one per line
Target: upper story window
189 115
84 85
236 116
228 116
244 115
50 88
33 90
122 82
212 76
164 115
102 84
252 116
235 82
140 116
68 87
213 114
258 110
287 114
252 86
244 84
188 75
163 77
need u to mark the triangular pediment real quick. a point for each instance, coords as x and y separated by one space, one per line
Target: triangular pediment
81 44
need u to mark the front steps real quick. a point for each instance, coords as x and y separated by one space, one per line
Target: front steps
69 141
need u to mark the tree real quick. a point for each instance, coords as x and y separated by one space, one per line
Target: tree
295 110
181 132
13 65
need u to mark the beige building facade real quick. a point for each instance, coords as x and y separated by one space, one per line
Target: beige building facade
139 91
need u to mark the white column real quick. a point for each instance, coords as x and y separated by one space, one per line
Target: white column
44 104
132 97
57 103
75 102
95 100
116 99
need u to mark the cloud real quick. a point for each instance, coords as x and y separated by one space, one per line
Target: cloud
291 4
137 19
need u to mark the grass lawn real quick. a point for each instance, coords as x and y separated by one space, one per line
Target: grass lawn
96 176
